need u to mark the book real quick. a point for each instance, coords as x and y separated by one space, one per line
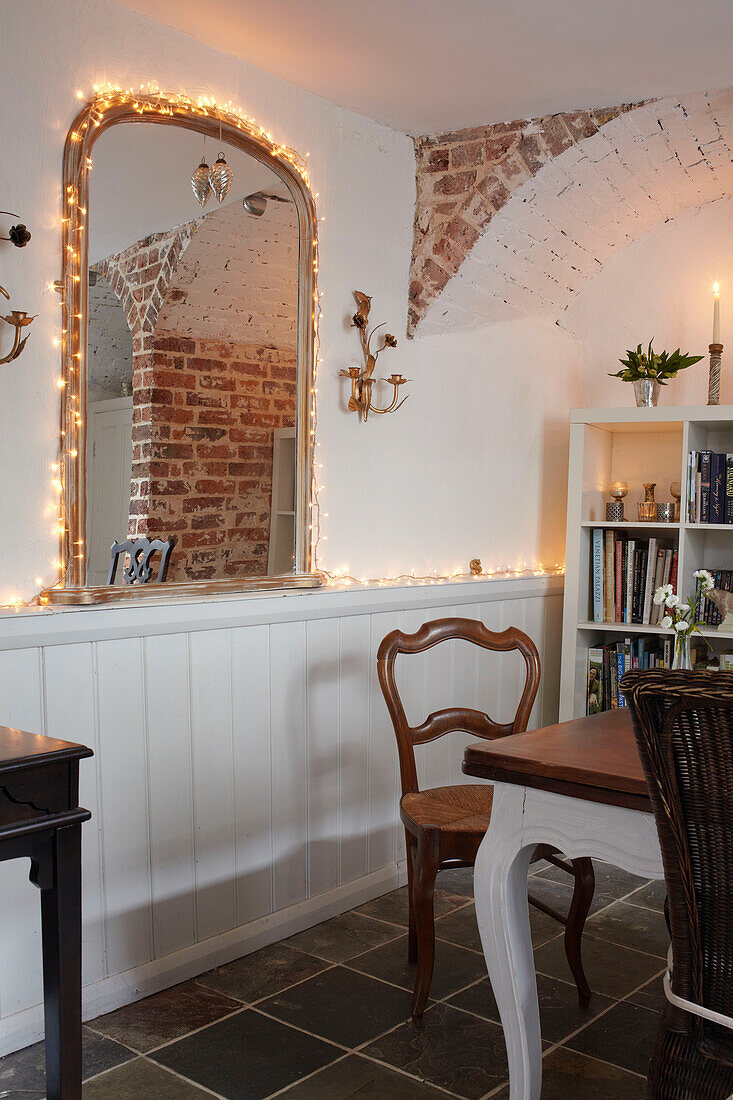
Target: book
717 488
608 584
705 463
729 488
673 571
597 575
618 580
629 595
655 613
651 566
594 691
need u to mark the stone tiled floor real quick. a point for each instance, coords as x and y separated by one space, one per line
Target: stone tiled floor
325 1014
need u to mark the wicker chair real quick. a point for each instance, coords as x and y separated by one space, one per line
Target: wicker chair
683 722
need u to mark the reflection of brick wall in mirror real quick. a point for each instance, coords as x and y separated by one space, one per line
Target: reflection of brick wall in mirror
212 307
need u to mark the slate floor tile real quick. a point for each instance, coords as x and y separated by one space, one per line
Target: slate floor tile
651 896
456 880
358 1078
139 1079
393 907
611 970
611 881
343 937
23 1074
247 1056
342 1006
631 926
453 1050
570 1076
560 1013
262 973
454 966
650 995
559 894
165 1016
460 927
624 1036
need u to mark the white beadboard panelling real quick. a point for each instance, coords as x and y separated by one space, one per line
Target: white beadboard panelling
170 778
210 673
356 672
124 803
245 782
289 763
322 639
383 777
250 650
21 980
70 693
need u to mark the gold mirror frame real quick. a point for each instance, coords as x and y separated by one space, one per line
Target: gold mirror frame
112 107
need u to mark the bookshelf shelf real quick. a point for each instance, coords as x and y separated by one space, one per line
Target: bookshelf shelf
634 445
640 525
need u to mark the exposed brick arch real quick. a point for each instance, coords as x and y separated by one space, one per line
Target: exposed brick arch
549 201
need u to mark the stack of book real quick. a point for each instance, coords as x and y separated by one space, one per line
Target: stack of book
625 573
607 664
709 487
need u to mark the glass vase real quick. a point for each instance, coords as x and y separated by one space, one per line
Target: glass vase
682 657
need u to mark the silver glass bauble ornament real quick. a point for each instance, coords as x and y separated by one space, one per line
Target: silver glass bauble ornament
200 183
220 178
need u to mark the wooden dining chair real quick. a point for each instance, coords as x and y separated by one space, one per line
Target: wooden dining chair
683 723
140 552
444 826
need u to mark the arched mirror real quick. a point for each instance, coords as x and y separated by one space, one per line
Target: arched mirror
188 352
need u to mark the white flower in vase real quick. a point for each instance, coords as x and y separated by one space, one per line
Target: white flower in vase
681 626
672 600
705 577
666 622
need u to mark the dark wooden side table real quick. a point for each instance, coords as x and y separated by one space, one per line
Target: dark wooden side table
40 817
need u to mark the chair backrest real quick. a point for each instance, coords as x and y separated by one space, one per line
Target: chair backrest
452 719
683 723
141 550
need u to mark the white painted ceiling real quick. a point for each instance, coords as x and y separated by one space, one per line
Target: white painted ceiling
141 183
423 66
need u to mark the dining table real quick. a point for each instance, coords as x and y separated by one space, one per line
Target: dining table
579 787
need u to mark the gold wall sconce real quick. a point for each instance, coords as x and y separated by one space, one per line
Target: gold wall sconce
18 320
18 236
361 378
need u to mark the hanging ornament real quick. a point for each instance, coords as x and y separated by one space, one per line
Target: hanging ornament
200 183
220 178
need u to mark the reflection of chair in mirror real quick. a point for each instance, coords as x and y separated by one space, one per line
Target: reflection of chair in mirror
141 550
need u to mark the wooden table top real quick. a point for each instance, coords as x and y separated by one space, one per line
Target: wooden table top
19 749
592 758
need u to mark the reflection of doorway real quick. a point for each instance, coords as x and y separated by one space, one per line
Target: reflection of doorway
109 470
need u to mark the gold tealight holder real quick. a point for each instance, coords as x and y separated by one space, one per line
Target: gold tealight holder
615 508
647 509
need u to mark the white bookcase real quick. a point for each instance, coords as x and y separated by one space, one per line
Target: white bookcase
633 445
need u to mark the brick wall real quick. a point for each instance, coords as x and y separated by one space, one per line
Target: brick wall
212 307
202 450
512 220
109 362
464 177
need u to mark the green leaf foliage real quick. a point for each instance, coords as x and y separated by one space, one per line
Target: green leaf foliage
659 366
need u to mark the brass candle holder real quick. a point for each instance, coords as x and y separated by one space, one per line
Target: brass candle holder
361 378
615 508
18 320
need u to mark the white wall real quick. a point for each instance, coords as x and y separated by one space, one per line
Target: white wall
660 287
109 344
414 490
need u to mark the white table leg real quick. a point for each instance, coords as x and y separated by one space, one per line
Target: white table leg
521 818
500 889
